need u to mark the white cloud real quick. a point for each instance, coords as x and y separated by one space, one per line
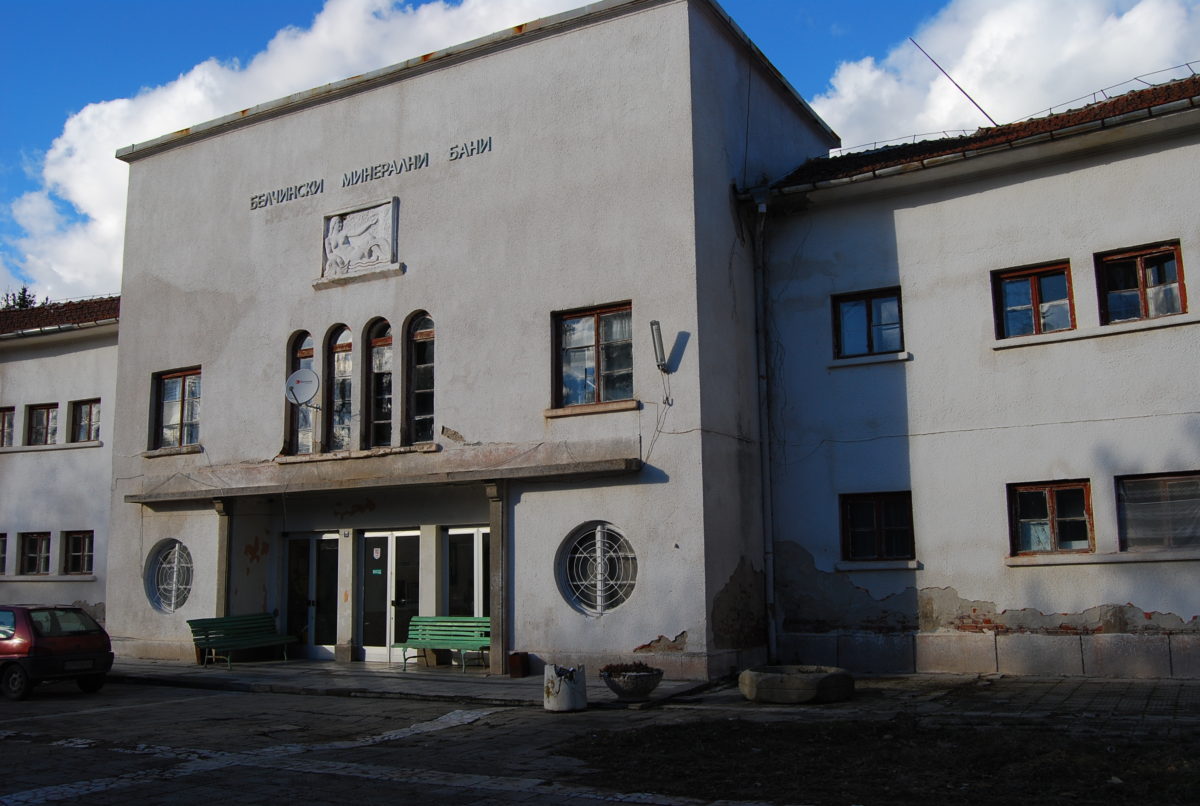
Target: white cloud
1016 58
74 224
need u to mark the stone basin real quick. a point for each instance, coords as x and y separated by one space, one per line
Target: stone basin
795 685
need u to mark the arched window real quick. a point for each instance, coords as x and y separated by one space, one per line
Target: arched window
418 411
339 397
379 382
300 427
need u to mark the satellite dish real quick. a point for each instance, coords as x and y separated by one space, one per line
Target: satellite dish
301 386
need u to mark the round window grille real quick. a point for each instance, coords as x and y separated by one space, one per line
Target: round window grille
597 568
169 576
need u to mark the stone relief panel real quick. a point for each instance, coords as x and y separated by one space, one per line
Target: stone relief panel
361 241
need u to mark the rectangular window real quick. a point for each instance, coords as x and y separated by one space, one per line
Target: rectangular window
1033 300
41 424
1050 516
877 526
178 395
85 421
35 553
867 323
8 416
595 355
1159 512
1142 283
3 553
77 552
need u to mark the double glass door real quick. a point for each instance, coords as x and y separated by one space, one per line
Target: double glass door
311 614
391 565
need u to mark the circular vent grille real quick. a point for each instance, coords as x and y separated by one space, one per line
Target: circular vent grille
597 568
169 576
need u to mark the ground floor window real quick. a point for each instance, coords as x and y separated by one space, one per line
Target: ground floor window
77 552
1159 512
169 576
597 569
877 526
3 553
1050 516
35 553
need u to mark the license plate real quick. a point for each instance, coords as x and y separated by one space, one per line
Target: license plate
76 665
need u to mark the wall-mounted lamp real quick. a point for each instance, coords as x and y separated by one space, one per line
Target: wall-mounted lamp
660 357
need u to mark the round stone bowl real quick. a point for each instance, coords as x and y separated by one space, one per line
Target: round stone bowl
632 685
795 685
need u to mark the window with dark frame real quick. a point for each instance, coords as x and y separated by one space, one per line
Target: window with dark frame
35 553
418 409
379 382
877 526
77 552
595 355
41 424
85 421
867 323
3 553
1159 512
339 397
1048 517
300 416
1033 300
8 417
1142 283
178 395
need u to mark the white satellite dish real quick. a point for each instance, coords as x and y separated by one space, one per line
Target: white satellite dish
301 386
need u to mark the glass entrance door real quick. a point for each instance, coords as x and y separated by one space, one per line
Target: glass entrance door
390 590
311 613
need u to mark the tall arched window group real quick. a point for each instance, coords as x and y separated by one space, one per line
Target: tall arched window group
350 395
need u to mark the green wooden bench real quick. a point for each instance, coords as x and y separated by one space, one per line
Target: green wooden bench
216 638
461 633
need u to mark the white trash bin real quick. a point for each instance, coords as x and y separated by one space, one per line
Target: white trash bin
565 689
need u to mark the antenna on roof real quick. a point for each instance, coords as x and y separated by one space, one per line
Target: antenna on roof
952 81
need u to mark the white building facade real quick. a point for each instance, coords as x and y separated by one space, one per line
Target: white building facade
985 455
461 257
58 367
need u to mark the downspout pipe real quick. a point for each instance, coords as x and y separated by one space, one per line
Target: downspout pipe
764 416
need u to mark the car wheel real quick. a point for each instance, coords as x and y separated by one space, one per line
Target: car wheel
90 684
15 683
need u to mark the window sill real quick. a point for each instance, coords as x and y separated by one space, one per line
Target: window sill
878 565
1099 331
593 408
424 447
177 451
48 578
57 446
334 281
864 360
1089 558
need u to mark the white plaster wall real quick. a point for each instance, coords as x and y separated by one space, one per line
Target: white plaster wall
962 418
585 199
64 488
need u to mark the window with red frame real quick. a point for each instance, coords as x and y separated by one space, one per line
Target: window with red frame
1142 283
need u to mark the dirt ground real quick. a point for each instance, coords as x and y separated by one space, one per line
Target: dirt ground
900 759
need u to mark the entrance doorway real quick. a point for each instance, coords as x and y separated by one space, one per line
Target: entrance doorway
468 587
391 565
311 612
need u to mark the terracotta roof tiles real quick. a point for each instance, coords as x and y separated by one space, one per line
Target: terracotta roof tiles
59 314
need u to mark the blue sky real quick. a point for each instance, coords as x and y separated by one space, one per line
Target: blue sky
69 63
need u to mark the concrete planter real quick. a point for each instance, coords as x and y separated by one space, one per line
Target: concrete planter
632 685
796 684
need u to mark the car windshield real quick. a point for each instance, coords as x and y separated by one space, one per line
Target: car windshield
53 622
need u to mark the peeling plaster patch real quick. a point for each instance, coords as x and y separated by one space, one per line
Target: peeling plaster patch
737 610
811 600
943 609
664 644
256 551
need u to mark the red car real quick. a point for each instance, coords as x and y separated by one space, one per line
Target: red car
41 643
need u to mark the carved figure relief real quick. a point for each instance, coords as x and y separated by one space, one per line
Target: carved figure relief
362 240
